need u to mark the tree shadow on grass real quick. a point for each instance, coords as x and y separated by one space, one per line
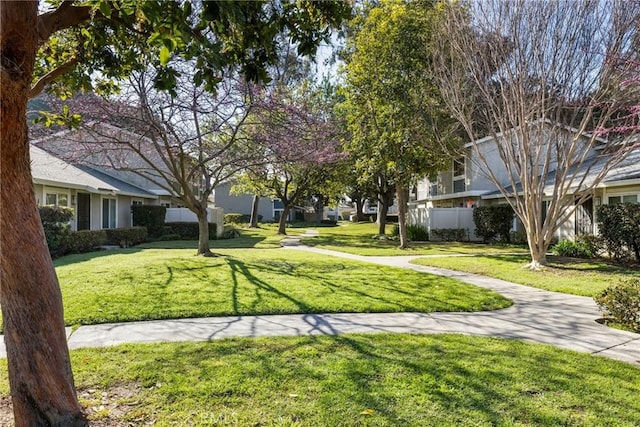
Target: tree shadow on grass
401 379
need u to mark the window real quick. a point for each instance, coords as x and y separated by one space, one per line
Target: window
56 199
109 213
458 166
629 198
459 185
137 202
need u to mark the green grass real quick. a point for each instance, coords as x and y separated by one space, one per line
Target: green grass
135 284
355 380
357 239
567 275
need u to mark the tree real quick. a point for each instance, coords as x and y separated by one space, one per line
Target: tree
74 41
300 145
394 110
543 79
185 144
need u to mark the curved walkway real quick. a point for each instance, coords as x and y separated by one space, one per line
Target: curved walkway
540 316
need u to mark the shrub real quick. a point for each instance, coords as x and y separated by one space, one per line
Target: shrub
189 230
622 303
167 237
235 218
84 241
417 233
55 222
577 249
126 237
619 227
329 222
450 234
149 216
493 221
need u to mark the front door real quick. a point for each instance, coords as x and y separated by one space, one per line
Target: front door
84 211
584 217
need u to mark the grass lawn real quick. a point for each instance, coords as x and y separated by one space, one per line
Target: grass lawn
567 275
357 239
354 380
140 284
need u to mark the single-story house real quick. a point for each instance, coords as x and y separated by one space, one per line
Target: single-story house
98 200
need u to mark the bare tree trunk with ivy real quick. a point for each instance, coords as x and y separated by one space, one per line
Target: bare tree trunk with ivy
542 80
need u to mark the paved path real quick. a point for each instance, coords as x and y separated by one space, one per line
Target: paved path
562 320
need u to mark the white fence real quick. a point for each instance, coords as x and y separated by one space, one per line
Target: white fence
434 218
214 215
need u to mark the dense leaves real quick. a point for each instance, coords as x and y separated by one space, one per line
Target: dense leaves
619 227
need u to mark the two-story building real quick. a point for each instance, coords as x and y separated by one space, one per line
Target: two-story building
469 182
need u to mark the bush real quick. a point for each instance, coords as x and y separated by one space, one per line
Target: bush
417 233
619 227
236 218
493 221
126 237
55 222
450 234
150 217
577 249
84 241
168 237
329 222
622 303
189 230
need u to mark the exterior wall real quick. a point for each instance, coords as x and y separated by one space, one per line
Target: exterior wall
242 203
435 218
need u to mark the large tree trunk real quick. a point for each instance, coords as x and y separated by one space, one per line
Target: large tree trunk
359 209
203 233
383 209
40 374
401 194
255 204
282 225
318 207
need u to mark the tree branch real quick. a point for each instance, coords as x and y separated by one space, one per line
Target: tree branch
65 16
39 86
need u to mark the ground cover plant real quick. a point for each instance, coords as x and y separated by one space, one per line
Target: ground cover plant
140 284
353 380
358 239
567 275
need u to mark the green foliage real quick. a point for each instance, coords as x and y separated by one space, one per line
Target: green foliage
150 217
394 112
189 230
235 218
573 249
415 232
622 303
126 237
168 237
450 234
55 221
84 241
493 221
619 227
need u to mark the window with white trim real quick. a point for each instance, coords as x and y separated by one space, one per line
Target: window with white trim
56 199
459 176
109 210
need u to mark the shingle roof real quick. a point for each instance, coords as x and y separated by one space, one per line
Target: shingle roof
50 170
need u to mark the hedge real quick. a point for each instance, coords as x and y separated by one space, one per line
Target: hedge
126 237
149 216
493 221
84 241
189 230
619 227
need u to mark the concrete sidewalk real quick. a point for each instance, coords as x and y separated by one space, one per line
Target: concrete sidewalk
561 320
